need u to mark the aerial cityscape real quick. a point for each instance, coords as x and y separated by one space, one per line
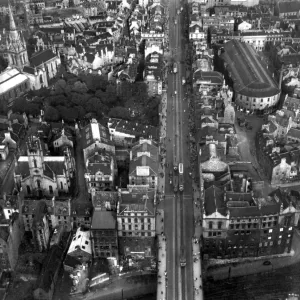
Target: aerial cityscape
149 149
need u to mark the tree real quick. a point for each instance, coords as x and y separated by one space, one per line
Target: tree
68 114
119 112
51 114
57 100
79 87
60 86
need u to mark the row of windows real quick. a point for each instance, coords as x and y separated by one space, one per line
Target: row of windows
136 233
143 227
136 220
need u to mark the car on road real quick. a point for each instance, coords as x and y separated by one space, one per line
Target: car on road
175 66
175 92
175 22
183 81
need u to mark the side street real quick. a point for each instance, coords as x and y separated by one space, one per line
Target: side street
149 148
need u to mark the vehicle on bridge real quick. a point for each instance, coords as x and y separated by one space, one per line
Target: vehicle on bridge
175 68
178 11
183 81
181 168
182 257
175 183
175 22
171 176
175 164
181 182
181 177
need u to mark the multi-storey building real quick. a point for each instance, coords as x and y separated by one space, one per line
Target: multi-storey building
95 137
143 166
254 88
153 73
81 246
136 221
125 133
101 170
239 224
104 234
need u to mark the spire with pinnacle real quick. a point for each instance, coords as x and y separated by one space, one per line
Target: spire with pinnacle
13 33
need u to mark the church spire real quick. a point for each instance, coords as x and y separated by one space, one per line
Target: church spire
12 25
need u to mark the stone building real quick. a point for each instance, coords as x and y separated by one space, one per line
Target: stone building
104 234
254 87
136 221
40 174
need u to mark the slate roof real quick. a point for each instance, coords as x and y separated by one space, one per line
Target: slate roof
105 200
99 162
214 201
289 7
143 160
41 57
95 131
137 201
133 128
145 147
51 265
104 220
247 72
212 76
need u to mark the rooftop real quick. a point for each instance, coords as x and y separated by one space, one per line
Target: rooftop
249 76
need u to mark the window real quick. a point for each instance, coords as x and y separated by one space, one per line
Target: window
38 183
270 230
50 189
210 233
34 162
281 229
219 225
28 189
210 225
61 186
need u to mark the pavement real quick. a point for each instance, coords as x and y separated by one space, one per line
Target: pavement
197 266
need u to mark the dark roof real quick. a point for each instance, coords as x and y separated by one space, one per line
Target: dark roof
51 265
103 219
212 76
72 261
289 6
247 72
214 201
41 57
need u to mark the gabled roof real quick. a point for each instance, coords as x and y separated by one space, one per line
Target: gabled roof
42 57
214 201
134 200
103 219
143 161
93 132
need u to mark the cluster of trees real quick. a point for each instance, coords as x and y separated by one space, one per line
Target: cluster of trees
76 97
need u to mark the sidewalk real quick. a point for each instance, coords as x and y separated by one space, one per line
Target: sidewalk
162 267
161 168
197 267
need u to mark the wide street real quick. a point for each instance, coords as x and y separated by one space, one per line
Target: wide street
179 226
